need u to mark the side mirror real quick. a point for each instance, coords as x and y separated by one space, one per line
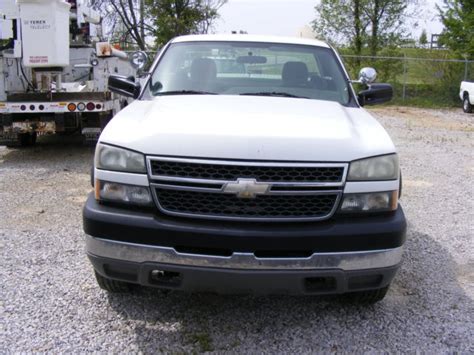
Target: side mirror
367 75
376 94
124 86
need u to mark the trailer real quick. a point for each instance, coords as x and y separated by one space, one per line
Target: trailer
54 68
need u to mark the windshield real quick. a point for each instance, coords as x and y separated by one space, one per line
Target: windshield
248 68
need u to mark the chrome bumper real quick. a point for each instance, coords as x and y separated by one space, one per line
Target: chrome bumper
347 261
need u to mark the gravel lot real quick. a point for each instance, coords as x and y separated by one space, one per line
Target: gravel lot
49 300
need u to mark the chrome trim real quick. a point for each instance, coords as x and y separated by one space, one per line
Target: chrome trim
221 190
187 188
149 159
123 178
371 186
250 219
145 253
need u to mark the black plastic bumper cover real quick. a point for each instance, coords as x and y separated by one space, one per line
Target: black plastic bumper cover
229 281
340 234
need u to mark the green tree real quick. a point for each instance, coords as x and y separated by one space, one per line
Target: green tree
341 22
124 21
363 23
133 22
387 19
458 19
423 38
171 18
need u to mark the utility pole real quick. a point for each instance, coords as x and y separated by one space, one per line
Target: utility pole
142 21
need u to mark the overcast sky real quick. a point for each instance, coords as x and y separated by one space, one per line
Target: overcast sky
287 17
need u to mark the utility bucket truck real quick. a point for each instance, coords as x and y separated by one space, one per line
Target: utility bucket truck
54 68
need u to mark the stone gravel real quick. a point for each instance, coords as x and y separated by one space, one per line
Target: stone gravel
49 300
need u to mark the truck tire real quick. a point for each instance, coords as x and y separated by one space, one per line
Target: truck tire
368 297
27 139
112 286
466 105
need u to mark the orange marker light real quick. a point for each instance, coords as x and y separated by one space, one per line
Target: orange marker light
97 189
394 201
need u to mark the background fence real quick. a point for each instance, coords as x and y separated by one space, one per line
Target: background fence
426 78
417 81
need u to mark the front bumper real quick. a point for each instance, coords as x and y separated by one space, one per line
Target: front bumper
299 258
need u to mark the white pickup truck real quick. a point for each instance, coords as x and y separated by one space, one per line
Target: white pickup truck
467 95
267 176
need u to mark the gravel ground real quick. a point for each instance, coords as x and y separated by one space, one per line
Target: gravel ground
49 300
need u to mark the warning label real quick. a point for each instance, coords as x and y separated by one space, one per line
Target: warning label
39 59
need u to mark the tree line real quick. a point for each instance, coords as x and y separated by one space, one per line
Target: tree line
363 26
367 26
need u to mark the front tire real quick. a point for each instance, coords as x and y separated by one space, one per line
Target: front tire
368 297
112 286
466 105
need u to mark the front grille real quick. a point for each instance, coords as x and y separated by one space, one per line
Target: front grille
216 189
262 207
225 172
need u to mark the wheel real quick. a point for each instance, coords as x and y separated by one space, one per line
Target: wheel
368 297
466 105
112 286
27 139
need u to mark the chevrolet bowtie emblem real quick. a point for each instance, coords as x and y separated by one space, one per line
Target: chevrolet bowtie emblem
246 188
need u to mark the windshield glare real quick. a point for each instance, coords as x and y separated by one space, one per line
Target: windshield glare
238 68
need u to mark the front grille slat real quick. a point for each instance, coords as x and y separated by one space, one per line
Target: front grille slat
225 205
224 172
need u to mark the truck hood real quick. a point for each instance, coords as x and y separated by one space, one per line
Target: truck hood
248 127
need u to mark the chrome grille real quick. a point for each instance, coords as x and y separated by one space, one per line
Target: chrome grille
210 189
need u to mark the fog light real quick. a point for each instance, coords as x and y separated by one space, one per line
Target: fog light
120 193
370 202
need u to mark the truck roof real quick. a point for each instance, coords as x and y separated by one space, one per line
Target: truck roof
250 38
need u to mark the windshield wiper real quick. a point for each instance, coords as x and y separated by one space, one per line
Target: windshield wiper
184 92
274 93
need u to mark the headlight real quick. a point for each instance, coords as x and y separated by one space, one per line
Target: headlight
120 193
119 159
370 202
377 168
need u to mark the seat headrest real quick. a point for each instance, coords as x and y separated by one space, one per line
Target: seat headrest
203 69
295 73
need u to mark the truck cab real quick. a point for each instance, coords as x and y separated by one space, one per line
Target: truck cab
269 179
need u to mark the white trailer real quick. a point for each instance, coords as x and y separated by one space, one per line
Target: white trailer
54 68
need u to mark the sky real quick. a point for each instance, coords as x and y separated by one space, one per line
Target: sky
287 17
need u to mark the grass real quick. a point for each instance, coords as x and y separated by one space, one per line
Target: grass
429 84
202 340
423 102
